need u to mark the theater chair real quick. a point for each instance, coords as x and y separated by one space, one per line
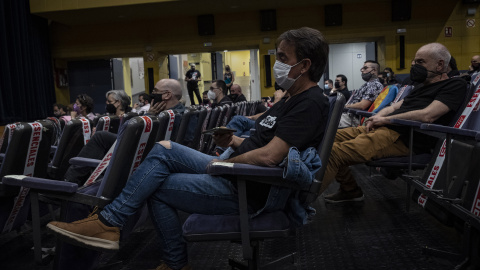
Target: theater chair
108 123
187 126
70 144
211 123
27 154
6 137
418 161
250 232
168 125
202 121
134 142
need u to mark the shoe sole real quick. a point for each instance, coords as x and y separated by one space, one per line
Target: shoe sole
359 199
84 241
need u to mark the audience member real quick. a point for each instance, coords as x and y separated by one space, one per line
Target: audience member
143 104
341 86
216 94
474 67
206 101
83 107
229 78
452 68
391 79
192 77
236 94
118 102
362 98
383 79
61 112
328 87
436 100
172 177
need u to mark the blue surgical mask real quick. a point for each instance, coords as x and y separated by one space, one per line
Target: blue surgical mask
281 71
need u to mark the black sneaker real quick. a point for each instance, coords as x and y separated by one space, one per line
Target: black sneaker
355 195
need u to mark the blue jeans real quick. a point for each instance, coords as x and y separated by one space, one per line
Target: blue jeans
171 179
242 124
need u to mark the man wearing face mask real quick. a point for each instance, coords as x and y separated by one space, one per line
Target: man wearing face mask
143 104
192 77
341 87
172 177
362 98
435 100
236 94
474 68
216 94
328 87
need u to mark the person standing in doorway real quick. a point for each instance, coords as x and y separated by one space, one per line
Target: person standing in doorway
229 78
192 77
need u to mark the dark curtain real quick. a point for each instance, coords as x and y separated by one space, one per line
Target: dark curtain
27 90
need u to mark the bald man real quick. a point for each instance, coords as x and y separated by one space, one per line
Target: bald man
166 96
236 94
474 67
435 101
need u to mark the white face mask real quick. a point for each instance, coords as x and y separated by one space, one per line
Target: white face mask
281 71
211 95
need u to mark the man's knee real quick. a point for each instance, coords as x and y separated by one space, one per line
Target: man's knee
166 144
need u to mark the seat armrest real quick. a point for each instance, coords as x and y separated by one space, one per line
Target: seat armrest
477 137
404 122
361 112
228 168
88 162
40 183
449 130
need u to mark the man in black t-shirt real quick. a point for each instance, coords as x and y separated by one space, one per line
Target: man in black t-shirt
216 94
192 77
436 101
172 177
236 94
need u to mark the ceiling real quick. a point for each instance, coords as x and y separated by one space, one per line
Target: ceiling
136 12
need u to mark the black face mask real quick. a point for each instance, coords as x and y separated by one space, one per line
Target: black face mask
337 85
110 108
156 98
476 66
233 97
206 101
419 73
367 76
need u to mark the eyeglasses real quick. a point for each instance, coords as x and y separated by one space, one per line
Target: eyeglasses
212 88
365 68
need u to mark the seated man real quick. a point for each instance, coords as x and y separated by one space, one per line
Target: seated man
362 98
167 92
216 94
436 100
236 94
143 104
172 177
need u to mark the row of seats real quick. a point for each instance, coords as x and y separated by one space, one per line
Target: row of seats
450 186
75 135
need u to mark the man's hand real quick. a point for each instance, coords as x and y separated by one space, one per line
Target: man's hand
156 108
223 140
135 106
376 121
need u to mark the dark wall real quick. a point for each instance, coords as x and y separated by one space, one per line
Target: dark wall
26 77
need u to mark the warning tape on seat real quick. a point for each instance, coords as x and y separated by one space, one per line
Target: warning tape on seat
87 131
171 121
29 168
106 123
432 178
142 143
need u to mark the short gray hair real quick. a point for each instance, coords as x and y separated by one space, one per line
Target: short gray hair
121 96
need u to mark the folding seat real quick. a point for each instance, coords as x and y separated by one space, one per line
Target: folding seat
203 116
275 224
168 123
27 154
187 126
211 144
211 123
6 137
70 144
228 114
136 138
108 123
